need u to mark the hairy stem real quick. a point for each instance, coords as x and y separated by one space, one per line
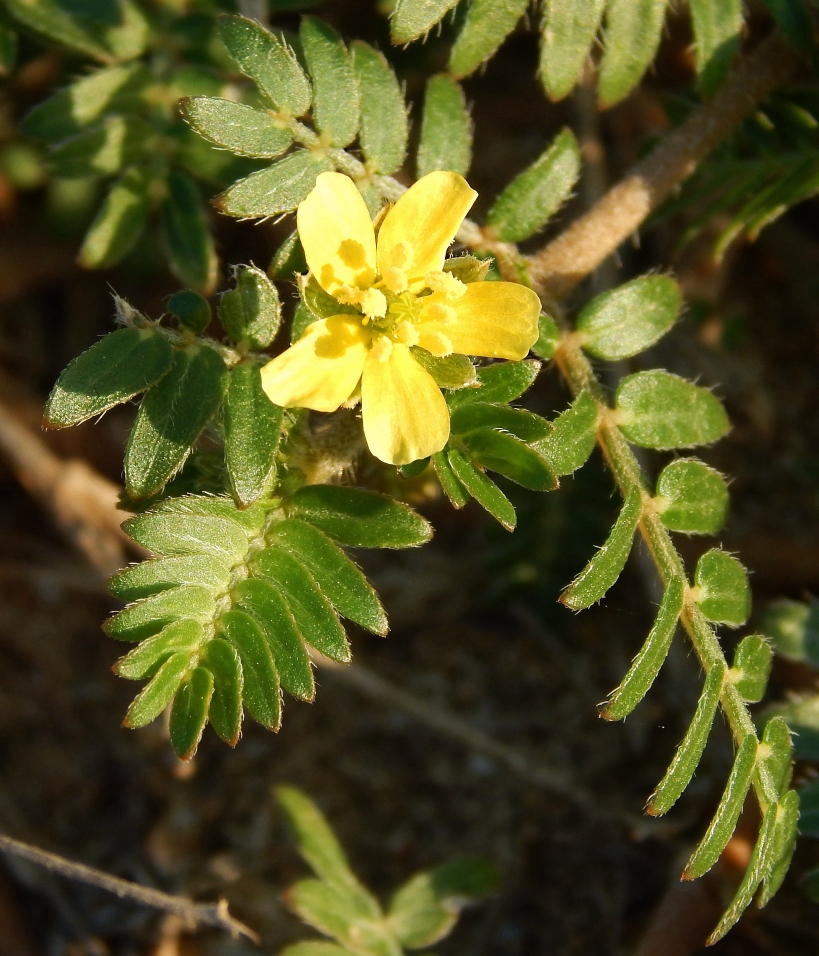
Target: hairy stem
581 248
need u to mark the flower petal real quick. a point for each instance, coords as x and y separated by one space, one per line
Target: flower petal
495 319
322 369
337 234
405 415
418 229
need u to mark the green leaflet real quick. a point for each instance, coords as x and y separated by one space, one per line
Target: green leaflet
722 827
335 574
384 127
187 236
154 698
487 24
119 221
568 31
786 830
225 712
450 371
191 309
646 665
334 912
335 91
717 35
450 484
663 411
573 436
288 259
482 489
724 592
269 608
633 29
242 129
249 520
752 667
277 189
261 681
251 313
271 64
793 627
446 129
413 18
160 574
777 763
535 195
189 534
524 425
189 712
171 418
315 947
510 457
360 519
102 150
313 613
605 567
118 367
625 321
688 755
145 659
252 430
150 615
500 383
692 497
548 337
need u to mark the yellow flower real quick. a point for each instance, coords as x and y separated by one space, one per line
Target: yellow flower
402 298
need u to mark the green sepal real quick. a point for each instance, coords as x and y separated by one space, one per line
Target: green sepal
450 485
223 661
692 496
752 667
274 190
663 411
261 693
633 29
302 318
188 239
321 303
335 91
384 127
482 489
269 608
413 18
548 338
103 149
451 371
271 64
573 436
155 697
150 615
288 259
115 369
524 425
160 574
535 195
486 25
189 712
171 418
338 578
606 566
500 383
313 613
510 457
568 32
360 519
468 268
252 430
242 129
119 221
724 592
446 129
146 659
627 320
191 309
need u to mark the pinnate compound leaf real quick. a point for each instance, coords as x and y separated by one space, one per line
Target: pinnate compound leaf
251 313
116 368
360 519
145 659
190 245
149 616
717 35
793 627
692 497
384 127
569 29
663 411
268 607
486 25
724 592
510 457
252 428
689 753
155 697
646 665
446 129
451 486
340 580
534 196
120 220
524 425
335 91
274 190
261 692
482 489
633 30
161 574
413 18
101 150
222 660
627 320
722 827
752 667
271 64
242 129
786 830
189 712
500 383
171 417
606 566
573 436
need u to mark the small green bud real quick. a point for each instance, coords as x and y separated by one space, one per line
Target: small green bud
191 309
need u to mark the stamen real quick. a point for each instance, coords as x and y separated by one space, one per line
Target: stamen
407 333
438 344
382 348
439 312
395 280
446 283
374 303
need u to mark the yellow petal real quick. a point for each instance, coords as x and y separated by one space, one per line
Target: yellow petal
495 319
405 415
322 369
418 229
337 234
